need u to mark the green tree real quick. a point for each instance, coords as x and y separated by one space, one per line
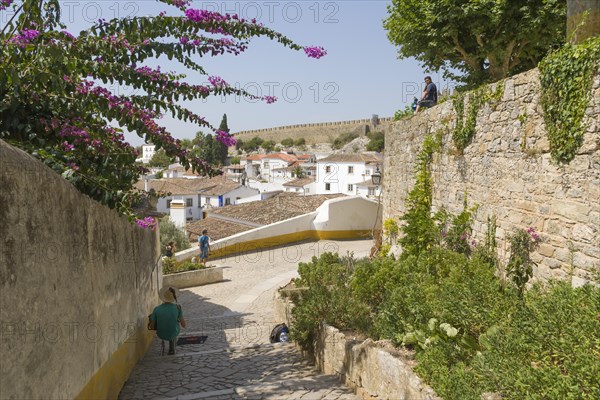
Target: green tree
169 232
186 144
160 159
234 160
297 172
486 40
268 145
55 101
209 149
300 142
253 144
223 126
287 142
239 144
376 142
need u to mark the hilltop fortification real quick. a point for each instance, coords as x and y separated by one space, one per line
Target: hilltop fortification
322 132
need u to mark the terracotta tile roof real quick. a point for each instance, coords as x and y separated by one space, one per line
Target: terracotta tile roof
184 186
289 158
235 166
176 186
367 183
221 188
255 157
364 157
300 182
275 209
217 229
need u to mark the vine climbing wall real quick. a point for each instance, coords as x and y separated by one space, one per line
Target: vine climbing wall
497 155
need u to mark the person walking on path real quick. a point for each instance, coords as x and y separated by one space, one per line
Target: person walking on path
167 317
204 245
430 97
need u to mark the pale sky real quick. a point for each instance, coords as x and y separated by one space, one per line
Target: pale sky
359 76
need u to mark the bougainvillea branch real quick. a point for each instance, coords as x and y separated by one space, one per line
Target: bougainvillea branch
56 102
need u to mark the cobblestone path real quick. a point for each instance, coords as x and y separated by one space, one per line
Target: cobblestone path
237 361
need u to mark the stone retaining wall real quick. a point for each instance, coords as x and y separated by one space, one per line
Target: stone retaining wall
77 282
507 170
372 369
194 278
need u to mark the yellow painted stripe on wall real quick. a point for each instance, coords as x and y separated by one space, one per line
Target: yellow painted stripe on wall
108 381
274 241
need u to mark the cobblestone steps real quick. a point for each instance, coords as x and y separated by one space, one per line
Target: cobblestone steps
236 361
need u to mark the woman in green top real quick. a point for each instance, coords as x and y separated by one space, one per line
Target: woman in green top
168 317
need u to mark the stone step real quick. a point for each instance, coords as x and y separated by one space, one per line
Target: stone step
188 373
324 387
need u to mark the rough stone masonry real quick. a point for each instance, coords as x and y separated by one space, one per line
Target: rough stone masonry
507 170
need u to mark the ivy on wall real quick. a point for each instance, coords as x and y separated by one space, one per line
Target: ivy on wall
465 125
419 230
566 76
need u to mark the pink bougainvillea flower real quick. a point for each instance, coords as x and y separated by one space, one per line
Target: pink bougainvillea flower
225 138
315 51
4 4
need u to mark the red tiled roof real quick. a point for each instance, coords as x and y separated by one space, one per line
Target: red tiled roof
367 158
289 158
176 186
275 209
217 228
300 182
255 157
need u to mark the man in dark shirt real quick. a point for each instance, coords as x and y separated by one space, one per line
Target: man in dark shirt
429 98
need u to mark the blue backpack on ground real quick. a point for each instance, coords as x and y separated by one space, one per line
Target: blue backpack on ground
279 333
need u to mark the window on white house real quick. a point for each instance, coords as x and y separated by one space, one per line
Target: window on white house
266 164
351 169
227 201
307 190
350 187
371 191
327 169
207 201
367 172
327 186
188 202
169 203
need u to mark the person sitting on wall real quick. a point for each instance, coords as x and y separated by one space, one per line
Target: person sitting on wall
167 317
430 97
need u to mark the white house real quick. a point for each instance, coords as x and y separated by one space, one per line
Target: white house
276 165
368 189
148 151
195 194
340 173
186 191
304 186
225 193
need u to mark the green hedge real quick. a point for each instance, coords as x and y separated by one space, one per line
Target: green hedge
472 332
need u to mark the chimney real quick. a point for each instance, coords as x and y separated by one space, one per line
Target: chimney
146 183
177 213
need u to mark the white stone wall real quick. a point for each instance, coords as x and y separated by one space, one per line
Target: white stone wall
523 188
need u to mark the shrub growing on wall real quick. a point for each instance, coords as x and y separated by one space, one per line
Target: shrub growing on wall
566 76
